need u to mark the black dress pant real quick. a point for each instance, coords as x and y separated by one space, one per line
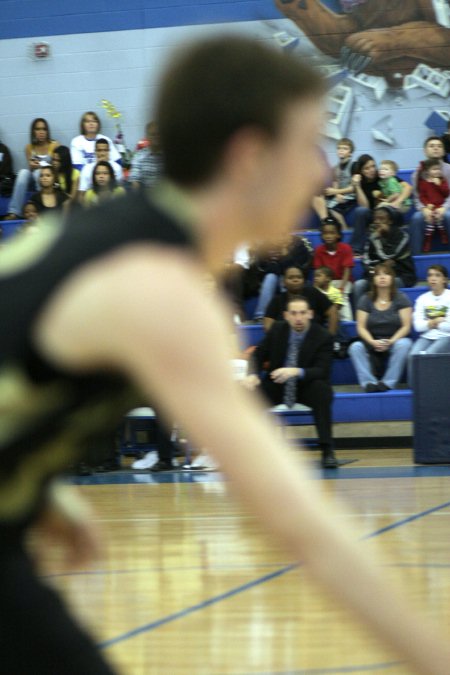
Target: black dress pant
318 395
37 635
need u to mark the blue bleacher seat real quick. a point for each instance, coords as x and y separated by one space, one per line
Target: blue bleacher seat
10 227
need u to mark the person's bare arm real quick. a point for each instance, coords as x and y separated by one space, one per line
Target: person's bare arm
405 329
177 350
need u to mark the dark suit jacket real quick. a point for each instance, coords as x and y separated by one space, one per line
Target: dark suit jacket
315 356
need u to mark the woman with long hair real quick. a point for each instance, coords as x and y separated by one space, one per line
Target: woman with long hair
383 323
104 185
49 197
68 177
38 153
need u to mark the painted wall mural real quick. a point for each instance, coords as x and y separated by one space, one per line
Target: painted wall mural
388 62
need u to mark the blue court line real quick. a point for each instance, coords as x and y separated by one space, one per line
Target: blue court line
251 584
409 519
195 608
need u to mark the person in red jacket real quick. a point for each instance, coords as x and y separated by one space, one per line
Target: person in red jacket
336 255
433 191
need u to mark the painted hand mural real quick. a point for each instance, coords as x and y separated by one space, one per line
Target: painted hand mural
396 35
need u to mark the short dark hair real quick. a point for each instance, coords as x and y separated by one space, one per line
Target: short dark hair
102 141
298 298
294 267
217 87
439 268
433 138
428 163
325 270
331 220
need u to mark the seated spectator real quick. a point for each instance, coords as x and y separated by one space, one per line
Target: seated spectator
324 311
38 153
240 279
445 138
383 324
434 149
431 317
103 185
337 256
31 217
102 154
299 355
68 177
323 276
147 163
392 190
433 190
389 242
6 171
82 147
49 197
367 189
290 251
339 198
366 185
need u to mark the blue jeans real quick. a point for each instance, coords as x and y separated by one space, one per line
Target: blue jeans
417 229
362 217
398 355
269 287
439 346
25 180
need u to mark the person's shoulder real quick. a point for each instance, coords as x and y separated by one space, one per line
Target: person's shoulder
365 303
318 334
402 300
343 246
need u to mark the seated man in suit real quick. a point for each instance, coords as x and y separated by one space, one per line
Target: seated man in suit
299 352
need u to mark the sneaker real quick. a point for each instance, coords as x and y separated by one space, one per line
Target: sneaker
383 387
160 466
146 462
203 462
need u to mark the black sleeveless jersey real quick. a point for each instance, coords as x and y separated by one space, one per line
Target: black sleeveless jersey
49 416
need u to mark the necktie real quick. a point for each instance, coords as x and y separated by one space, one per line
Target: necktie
290 387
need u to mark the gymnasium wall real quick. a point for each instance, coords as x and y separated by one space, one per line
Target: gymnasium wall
115 50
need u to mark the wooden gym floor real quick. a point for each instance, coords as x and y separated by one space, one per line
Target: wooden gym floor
189 585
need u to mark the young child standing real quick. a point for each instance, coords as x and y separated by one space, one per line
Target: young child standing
393 191
336 255
433 191
340 197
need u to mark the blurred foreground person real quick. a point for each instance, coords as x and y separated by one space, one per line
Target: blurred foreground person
239 126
